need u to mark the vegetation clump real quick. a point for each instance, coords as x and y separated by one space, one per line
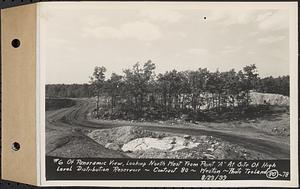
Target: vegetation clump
58 103
193 95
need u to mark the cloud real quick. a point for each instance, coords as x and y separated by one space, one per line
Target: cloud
93 20
271 39
198 51
266 20
164 15
182 35
54 42
253 33
140 30
239 18
277 21
251 52
229 17
263 16
230 49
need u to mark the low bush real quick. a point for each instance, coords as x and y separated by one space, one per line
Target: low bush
58 103
216 114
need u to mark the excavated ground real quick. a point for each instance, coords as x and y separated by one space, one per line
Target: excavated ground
137 142
70 133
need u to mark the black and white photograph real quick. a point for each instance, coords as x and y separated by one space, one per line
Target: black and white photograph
149 94
167 83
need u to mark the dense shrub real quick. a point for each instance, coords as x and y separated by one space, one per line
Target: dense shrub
56 103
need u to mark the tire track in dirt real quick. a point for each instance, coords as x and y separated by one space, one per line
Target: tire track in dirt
75 116
62 140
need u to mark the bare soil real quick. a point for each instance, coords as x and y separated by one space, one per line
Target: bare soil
68 131
208 147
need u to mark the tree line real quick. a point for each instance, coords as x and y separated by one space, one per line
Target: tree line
278 85
142 93
69 91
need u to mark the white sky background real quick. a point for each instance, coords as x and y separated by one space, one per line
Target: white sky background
76 37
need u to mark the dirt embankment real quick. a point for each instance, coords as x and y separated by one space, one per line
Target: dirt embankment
267 98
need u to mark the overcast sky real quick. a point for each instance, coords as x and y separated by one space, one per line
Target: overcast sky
79 36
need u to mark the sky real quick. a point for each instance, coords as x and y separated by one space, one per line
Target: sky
76 37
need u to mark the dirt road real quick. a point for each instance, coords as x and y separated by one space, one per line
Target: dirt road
60 123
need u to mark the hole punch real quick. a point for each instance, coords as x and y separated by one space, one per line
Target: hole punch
16 146
16 43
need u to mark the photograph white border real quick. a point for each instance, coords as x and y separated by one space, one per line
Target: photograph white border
292 7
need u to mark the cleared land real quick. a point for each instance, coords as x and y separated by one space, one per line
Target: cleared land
70 132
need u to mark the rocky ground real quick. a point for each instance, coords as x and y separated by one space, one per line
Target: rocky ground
137 142
70 133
